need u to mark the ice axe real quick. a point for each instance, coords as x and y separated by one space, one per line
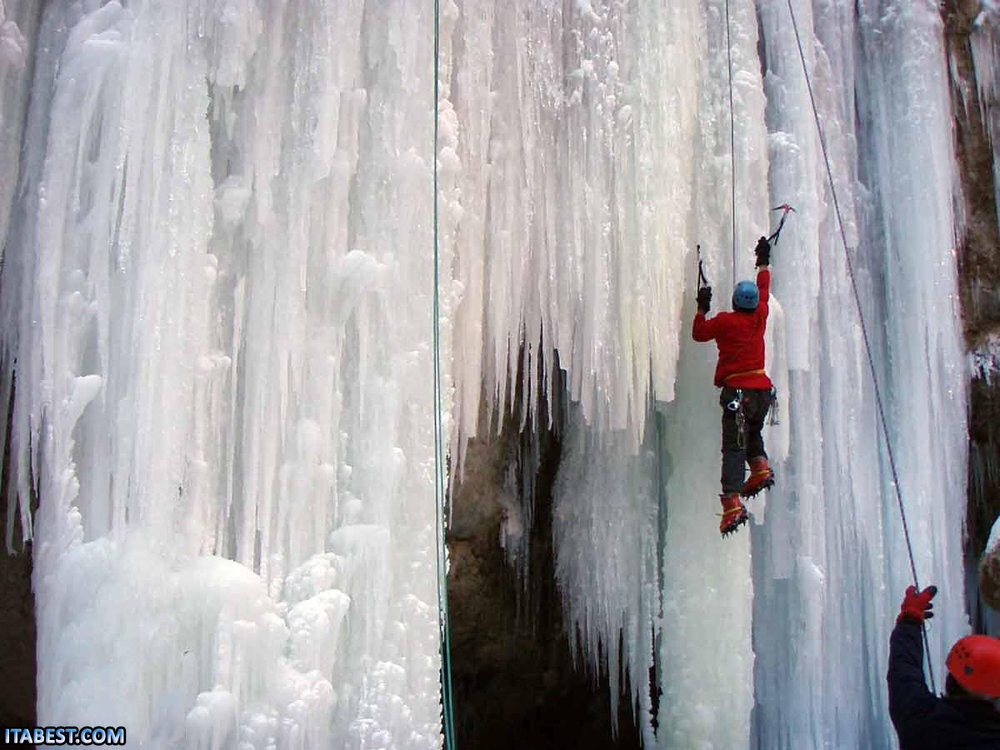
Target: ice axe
702 279
784 208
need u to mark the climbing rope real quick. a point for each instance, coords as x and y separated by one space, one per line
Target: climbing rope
732 135
864 332
439 477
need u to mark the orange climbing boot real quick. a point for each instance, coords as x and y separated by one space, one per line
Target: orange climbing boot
761 477
734 514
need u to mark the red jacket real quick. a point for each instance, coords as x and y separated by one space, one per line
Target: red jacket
740 338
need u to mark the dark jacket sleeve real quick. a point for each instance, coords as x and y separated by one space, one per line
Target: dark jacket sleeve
703 328
909 698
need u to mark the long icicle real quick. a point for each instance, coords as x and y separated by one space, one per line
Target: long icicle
732 135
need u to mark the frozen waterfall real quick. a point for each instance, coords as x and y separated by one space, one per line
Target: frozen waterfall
216 303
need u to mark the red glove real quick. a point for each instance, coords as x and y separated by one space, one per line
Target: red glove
917 604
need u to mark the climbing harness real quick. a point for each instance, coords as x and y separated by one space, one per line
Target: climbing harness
864 332
737 401
759 371
736 406
448 719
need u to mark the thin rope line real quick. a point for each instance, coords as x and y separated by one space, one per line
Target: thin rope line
732 135
439 478
864 332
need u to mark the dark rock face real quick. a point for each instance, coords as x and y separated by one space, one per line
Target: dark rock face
17 612
17 620
979 280
17 657
515 684
978 259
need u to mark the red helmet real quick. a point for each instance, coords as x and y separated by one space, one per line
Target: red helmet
975 662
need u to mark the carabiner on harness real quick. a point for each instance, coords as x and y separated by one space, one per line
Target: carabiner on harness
737 401
736 406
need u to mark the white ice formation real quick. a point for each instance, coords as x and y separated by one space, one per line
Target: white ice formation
217 292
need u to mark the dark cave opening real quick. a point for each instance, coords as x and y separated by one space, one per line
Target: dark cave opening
17 616
514 679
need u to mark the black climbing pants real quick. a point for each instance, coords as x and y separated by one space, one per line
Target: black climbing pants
756 402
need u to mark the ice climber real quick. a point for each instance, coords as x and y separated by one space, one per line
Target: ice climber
747 392
965 717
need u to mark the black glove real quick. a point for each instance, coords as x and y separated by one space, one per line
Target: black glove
763 251
704 299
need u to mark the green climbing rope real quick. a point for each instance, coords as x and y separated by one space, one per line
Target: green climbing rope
439 475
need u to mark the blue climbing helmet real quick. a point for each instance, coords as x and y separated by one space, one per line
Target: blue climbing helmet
746 296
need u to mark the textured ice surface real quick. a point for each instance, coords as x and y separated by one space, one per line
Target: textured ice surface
984 42
18 19
222 330
217 289
794 625
993 544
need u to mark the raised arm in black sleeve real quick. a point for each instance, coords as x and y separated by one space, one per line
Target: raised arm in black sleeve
909 698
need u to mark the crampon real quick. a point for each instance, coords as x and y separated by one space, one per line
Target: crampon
734 514
761 477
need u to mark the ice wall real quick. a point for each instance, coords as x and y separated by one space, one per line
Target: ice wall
18 22
222 335
831 563
560 246
594 146
562 210
217 293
